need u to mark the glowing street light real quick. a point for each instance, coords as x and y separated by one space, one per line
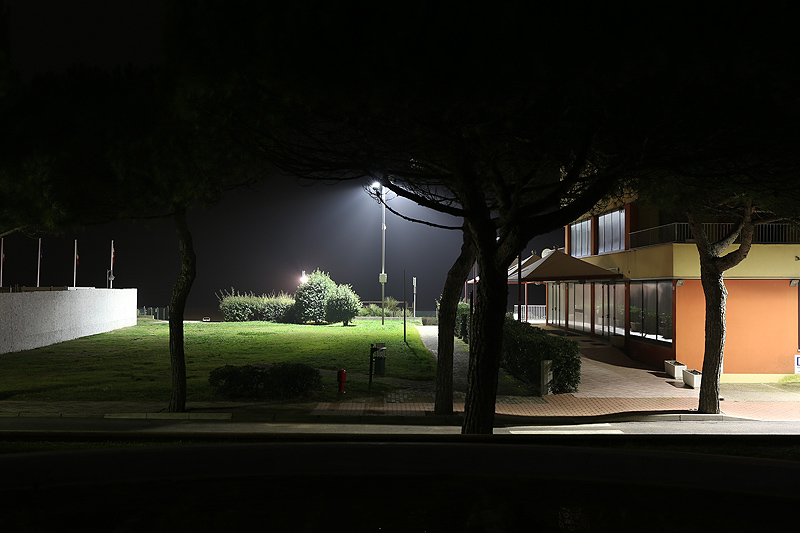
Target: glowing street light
382 277
303 278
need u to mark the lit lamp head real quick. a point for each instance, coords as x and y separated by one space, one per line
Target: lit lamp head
303 278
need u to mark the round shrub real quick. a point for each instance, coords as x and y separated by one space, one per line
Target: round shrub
342 305
237 381
291 380
311 296
280 381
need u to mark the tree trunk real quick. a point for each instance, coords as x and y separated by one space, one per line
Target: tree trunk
484 348
712 268
716 297
180 292
448 307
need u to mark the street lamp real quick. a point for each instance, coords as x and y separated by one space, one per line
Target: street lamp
303 278
382 277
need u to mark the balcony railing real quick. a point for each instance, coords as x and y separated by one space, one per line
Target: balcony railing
532 313
776 233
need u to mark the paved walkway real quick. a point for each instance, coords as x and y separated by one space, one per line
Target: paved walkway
611 383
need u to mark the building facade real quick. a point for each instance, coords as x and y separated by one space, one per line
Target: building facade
656 308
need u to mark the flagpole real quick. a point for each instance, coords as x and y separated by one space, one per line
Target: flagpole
111 270
39 262
75 266
2 260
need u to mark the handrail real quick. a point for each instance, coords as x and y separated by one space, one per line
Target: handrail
679 232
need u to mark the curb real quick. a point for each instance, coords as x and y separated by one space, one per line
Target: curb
426 419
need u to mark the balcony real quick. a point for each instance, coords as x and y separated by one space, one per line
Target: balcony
679 232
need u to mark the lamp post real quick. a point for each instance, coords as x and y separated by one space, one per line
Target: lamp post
382 277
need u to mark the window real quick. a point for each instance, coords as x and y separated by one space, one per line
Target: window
609 309
580 235
611 232
651 310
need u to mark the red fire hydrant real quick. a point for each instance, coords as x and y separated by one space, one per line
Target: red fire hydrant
341 377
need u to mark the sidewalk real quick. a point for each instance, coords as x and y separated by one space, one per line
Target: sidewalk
611 384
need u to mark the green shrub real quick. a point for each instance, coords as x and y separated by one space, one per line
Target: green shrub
342 305
524 349
281 381
237 381
291 380
392 306
370 310
393 309
279 308
311 296
462 322
236 307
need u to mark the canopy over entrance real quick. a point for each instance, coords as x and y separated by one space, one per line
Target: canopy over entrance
558 266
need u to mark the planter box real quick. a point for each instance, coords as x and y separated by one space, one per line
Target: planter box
692 378
674 368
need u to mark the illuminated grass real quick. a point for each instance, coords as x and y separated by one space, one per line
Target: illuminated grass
132 364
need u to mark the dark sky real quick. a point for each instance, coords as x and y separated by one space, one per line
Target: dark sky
253 241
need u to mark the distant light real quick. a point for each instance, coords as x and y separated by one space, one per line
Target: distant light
303 278
376 185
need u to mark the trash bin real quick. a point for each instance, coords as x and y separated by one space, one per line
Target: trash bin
380 363
380 359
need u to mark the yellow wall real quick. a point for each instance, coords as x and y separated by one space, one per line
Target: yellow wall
681 261
762 326
652 262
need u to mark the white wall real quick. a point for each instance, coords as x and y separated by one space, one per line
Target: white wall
34 319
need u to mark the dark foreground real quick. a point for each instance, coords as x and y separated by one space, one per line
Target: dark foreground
380 485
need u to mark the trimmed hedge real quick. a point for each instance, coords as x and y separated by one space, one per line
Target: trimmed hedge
237 307
280 308
280 381
524 349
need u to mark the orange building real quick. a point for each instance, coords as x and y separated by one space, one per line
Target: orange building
655 307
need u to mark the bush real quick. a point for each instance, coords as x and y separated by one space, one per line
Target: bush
462 322
237 307
370 310
524 349
311 296
291 380
279 308
342 305
281 381
392 309
237 381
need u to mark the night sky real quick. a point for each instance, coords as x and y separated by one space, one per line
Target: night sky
254 241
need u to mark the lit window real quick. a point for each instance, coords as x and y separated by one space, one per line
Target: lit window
580 238
611 232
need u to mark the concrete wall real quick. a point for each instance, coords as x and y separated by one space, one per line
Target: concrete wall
34 319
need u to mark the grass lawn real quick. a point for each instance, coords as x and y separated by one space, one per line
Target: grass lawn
132 364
